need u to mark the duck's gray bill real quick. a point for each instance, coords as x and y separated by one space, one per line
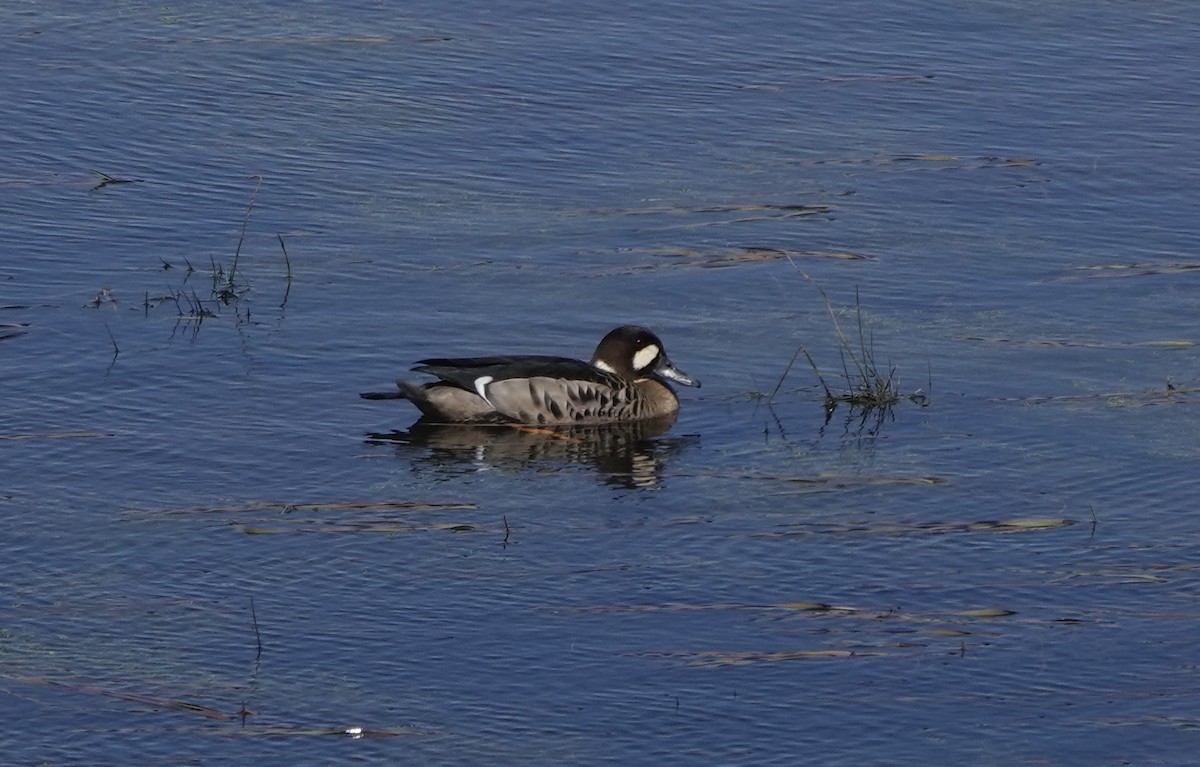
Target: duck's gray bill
668 370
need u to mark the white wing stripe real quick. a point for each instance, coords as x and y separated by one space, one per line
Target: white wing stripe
481 387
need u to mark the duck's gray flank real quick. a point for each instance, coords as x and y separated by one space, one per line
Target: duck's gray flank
625 380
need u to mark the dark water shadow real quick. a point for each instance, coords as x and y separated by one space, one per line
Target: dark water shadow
623 455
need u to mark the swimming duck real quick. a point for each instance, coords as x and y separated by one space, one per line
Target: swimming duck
625 381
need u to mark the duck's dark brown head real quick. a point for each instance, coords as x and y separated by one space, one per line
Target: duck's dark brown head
634 352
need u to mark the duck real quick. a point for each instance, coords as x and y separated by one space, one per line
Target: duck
625 381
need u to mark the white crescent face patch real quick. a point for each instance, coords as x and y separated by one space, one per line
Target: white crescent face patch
645 357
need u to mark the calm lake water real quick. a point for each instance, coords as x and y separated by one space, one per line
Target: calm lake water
207 559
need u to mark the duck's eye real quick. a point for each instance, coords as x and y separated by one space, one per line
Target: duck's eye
645 357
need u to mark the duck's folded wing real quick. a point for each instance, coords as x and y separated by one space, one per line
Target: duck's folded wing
467 372
534 389
446 403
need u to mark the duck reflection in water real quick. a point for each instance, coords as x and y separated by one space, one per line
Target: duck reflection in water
626 455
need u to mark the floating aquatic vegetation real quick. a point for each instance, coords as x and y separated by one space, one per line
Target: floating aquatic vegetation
1181 723
288 508
1106 271
721 258
986 612
897 528
284 730
291 41
868 632
212 713
878 78
56 180
334 517
802 608
1060 343
330 40
845 79
1130 574
153 701
720 215
821 607
107 180
938 160
353 526
58 435
717 658
835 481
777 210
13 329
1166 395
855 480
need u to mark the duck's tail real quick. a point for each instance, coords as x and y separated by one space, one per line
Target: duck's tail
381 395
398 393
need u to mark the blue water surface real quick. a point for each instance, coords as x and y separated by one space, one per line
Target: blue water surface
220 223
